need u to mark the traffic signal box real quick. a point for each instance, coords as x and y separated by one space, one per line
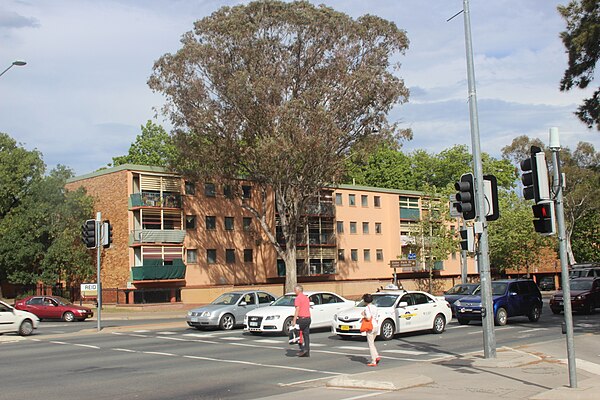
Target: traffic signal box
544 218
107 234
465 198
88 234
535 176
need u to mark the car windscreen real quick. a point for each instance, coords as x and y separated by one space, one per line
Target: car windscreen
227 299
286 301
581 285
498 289
462 289
381 300
61 301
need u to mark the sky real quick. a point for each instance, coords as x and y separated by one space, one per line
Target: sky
83 96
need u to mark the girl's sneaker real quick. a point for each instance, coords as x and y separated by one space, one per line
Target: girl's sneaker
377 360
371 364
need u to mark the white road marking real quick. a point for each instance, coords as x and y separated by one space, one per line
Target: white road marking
233 338
352 347
142 331
269 341
457 327
167 333
409 352
198 335
172 338
304 381
317 344
125 350
504 328
533 330
587 366
57 342
89 346
363 396
158 353
129 334
53 326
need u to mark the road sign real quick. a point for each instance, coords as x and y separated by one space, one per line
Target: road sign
408 263
89 289
412 256
394 263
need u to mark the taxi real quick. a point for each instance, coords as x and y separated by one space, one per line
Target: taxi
398 311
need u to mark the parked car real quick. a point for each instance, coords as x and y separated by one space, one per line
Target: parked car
398 311
53 307
512 297
585 270
13 320
547 283
585 296
278 316
228 310
458 291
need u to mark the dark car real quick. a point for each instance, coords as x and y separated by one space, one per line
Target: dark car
459 291
547 283
585 296
584 271
511 297
53 307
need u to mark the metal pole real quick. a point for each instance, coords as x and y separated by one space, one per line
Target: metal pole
564 268
464 260
98 280
487 312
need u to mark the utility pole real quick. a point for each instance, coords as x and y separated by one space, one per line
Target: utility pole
564 268
98 280
487 312
463 259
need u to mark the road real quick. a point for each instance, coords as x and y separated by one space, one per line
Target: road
183 363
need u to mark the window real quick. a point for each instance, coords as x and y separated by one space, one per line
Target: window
409 202
454 256
210 190
35 301
352 200
420 298
338 199
364 200
190 188
365 227
367 254
246 192
340 227
378 228
211 256
328 298
377 201
228 223
190 222
408 299
265 298
211 223
248 298
379 254
341 256
228 191
192 256
247 222
353 227
230 256
354 254
248 256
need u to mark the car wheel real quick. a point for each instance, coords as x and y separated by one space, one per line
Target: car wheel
439 324
68 316
286 326
501 317
555 311
227 322
387 330
26 328
534 314
463 321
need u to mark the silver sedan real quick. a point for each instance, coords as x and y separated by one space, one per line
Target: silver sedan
228 310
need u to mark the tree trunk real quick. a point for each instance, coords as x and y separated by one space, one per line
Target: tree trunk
1 296
291 275
570 255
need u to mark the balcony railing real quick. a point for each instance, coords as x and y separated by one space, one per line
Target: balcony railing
159 272
138 236
154 199
325 209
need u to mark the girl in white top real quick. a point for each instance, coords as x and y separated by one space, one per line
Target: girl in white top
370 313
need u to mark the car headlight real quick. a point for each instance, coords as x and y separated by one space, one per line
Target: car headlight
457 303
272 317
580 297
189 314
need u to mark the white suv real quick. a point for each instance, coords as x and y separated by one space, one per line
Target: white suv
13 320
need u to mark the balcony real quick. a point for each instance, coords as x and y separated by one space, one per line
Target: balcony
139 236
321 209
155 199
150 272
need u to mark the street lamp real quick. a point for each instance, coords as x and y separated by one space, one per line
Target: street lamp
18 63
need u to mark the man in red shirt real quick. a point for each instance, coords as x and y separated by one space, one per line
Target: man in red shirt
302 317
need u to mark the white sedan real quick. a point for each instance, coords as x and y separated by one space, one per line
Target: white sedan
278 316
398 311
13 320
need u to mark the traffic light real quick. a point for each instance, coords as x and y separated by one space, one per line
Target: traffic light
544 214
535 176
107 234
467 239
465 197
88 233
490 191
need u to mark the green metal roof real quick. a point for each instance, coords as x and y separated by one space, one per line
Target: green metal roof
124 167
376 189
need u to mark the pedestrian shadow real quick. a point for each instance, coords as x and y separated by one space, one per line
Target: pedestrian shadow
358 359
291 353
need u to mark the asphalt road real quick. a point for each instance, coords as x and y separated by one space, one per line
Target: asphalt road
183 363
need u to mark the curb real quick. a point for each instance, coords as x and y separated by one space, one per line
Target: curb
405 382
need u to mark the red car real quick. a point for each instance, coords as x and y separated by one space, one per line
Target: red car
53 307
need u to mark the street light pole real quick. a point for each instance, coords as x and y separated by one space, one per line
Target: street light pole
489 335
18 63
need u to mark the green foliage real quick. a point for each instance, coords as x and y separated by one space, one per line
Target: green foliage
153 147
582 41
39 234
586 238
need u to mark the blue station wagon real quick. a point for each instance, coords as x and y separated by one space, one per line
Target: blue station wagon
512 298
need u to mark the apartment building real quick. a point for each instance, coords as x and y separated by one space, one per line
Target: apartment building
174 240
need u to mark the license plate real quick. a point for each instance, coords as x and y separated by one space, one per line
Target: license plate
345 327
253 323
194 319
467 310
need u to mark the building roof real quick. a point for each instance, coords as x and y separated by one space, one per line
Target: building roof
377 189
124 167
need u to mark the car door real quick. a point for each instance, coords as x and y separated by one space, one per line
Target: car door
332 305
241 310
35 306
317 311
515 299
264 299
51 308
405 316
424 308
596 293
7 319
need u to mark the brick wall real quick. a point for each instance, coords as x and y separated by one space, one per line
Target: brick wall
111 195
